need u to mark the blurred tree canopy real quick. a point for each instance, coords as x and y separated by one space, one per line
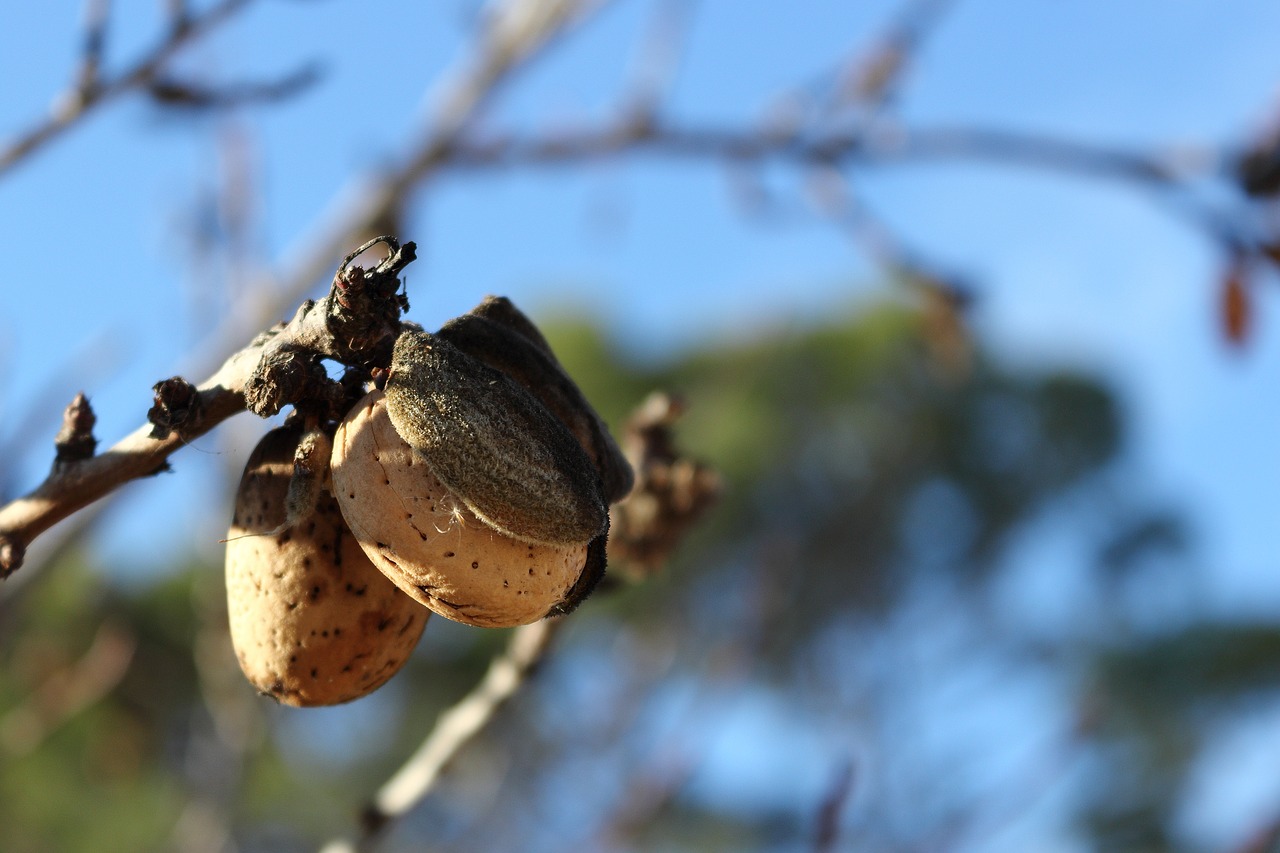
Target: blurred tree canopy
849 580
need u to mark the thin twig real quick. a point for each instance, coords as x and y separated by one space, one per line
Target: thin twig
743 144
455 728
137 455
873 80
93 47
80 100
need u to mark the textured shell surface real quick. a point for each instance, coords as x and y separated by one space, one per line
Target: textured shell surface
313 621
426 540
493 444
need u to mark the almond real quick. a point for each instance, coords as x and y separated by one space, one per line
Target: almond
313 621
426 540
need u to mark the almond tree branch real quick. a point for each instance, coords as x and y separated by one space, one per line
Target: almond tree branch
1172 174
91 91
869 148
517 33
355 325
137 455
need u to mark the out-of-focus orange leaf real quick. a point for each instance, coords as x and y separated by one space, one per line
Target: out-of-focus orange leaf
1236 305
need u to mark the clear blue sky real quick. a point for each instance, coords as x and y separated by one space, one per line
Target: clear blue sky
1068 269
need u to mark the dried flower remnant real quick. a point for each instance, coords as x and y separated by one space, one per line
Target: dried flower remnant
177 407
672 491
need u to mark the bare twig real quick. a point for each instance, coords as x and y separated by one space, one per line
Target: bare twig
874 78
744 144
455 728
193 95
90 91
137 455
657 59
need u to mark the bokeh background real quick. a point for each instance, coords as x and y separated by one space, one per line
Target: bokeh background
993 568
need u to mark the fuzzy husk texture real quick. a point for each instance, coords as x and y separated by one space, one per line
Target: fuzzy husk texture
494 445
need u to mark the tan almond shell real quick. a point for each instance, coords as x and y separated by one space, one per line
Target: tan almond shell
426 540
313 622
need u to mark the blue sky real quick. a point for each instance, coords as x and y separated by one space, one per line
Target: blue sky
1068 269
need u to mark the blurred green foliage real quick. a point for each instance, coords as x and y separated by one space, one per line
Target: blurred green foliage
857 467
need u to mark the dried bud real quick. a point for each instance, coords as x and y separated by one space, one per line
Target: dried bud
75 441
672 491
177 406
1236 306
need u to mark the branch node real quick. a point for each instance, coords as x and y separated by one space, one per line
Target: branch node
364 306
74 441
177 408
282 377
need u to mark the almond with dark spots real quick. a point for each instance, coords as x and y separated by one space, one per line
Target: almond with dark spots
426 540
313 622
